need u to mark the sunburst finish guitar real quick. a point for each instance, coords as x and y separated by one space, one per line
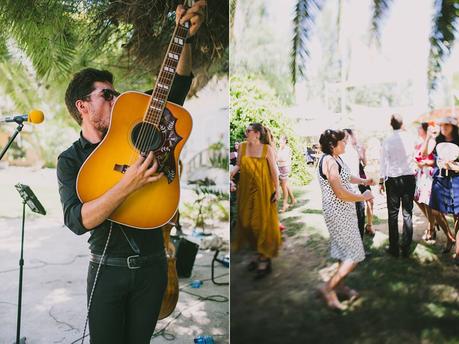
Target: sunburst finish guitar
139 124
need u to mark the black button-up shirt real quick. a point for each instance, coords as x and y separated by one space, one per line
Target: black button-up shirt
68 165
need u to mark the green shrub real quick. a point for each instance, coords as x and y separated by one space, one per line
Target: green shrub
252 100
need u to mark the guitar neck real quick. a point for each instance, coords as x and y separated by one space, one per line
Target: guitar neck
166 75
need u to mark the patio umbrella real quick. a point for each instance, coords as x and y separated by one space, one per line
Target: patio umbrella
439 113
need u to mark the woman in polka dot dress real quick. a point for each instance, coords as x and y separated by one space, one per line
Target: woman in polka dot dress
338 202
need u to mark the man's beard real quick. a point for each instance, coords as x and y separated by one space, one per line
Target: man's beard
101 126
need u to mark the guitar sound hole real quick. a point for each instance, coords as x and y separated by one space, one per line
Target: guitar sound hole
146 137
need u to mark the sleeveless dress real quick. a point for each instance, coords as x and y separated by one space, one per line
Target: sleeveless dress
423 178
257 222
445 189
341 218
284 162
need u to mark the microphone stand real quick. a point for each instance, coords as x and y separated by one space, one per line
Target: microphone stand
19 340
16 132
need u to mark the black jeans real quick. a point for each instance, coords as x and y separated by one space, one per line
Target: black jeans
360 208
400 189
126 303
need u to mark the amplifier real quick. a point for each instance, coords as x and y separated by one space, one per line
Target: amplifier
186 251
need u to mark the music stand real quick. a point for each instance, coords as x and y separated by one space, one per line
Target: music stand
29 198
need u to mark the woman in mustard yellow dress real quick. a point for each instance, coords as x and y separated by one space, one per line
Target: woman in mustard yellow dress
258 192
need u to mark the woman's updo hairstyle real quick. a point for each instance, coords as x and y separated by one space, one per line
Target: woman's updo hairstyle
259 128
329 140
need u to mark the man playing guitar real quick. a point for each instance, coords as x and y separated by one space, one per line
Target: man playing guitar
125 305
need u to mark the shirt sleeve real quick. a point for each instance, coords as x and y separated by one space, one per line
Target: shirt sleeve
179 89
383 162
67 172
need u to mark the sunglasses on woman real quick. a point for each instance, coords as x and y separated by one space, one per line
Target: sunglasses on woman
107 93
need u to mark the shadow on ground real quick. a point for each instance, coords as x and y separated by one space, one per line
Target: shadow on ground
404 300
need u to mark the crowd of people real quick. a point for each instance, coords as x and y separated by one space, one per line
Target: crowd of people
423 172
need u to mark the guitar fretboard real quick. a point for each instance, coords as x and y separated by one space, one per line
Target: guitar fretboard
166 75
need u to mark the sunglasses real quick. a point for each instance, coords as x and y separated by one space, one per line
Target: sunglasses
248 130
107 93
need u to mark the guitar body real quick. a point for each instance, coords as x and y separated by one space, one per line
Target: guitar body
155 204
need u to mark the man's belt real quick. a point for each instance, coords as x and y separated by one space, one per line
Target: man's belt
131 262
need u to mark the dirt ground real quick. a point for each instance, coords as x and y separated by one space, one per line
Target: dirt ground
412 300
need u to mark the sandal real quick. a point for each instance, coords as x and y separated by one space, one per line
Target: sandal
349 293
284 207
262 272
253 264
369 230
331 302
448 247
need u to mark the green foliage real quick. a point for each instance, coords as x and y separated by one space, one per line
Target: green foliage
44 42
260 52
218 155
442 37
209 204
16 151
252 100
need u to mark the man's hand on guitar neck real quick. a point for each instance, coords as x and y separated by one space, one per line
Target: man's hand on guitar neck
195 14
196 17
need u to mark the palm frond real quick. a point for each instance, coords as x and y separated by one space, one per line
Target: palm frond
442 37
380 9
43 30
303 22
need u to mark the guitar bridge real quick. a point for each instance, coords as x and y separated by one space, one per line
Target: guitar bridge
121 168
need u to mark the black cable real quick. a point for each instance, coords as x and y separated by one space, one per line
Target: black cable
77 340
44 263
215 298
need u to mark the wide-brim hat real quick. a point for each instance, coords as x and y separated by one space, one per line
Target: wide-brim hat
447 120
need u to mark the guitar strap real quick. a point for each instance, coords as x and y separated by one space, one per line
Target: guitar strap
131 241
134 247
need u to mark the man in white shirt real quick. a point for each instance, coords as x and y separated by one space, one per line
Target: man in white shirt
397 178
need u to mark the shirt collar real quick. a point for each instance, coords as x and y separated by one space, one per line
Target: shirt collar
85 143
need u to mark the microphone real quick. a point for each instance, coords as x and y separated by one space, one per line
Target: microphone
34 116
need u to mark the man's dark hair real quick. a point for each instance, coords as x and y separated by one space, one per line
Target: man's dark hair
81 85
329 140
396 121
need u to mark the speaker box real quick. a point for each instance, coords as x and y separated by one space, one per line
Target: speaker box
185 255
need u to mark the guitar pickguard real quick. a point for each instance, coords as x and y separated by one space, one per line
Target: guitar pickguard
165 154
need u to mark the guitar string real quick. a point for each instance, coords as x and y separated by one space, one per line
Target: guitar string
140 142
165 78
177 49
143 141
155 114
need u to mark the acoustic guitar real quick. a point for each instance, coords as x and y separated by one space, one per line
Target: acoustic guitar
139 124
